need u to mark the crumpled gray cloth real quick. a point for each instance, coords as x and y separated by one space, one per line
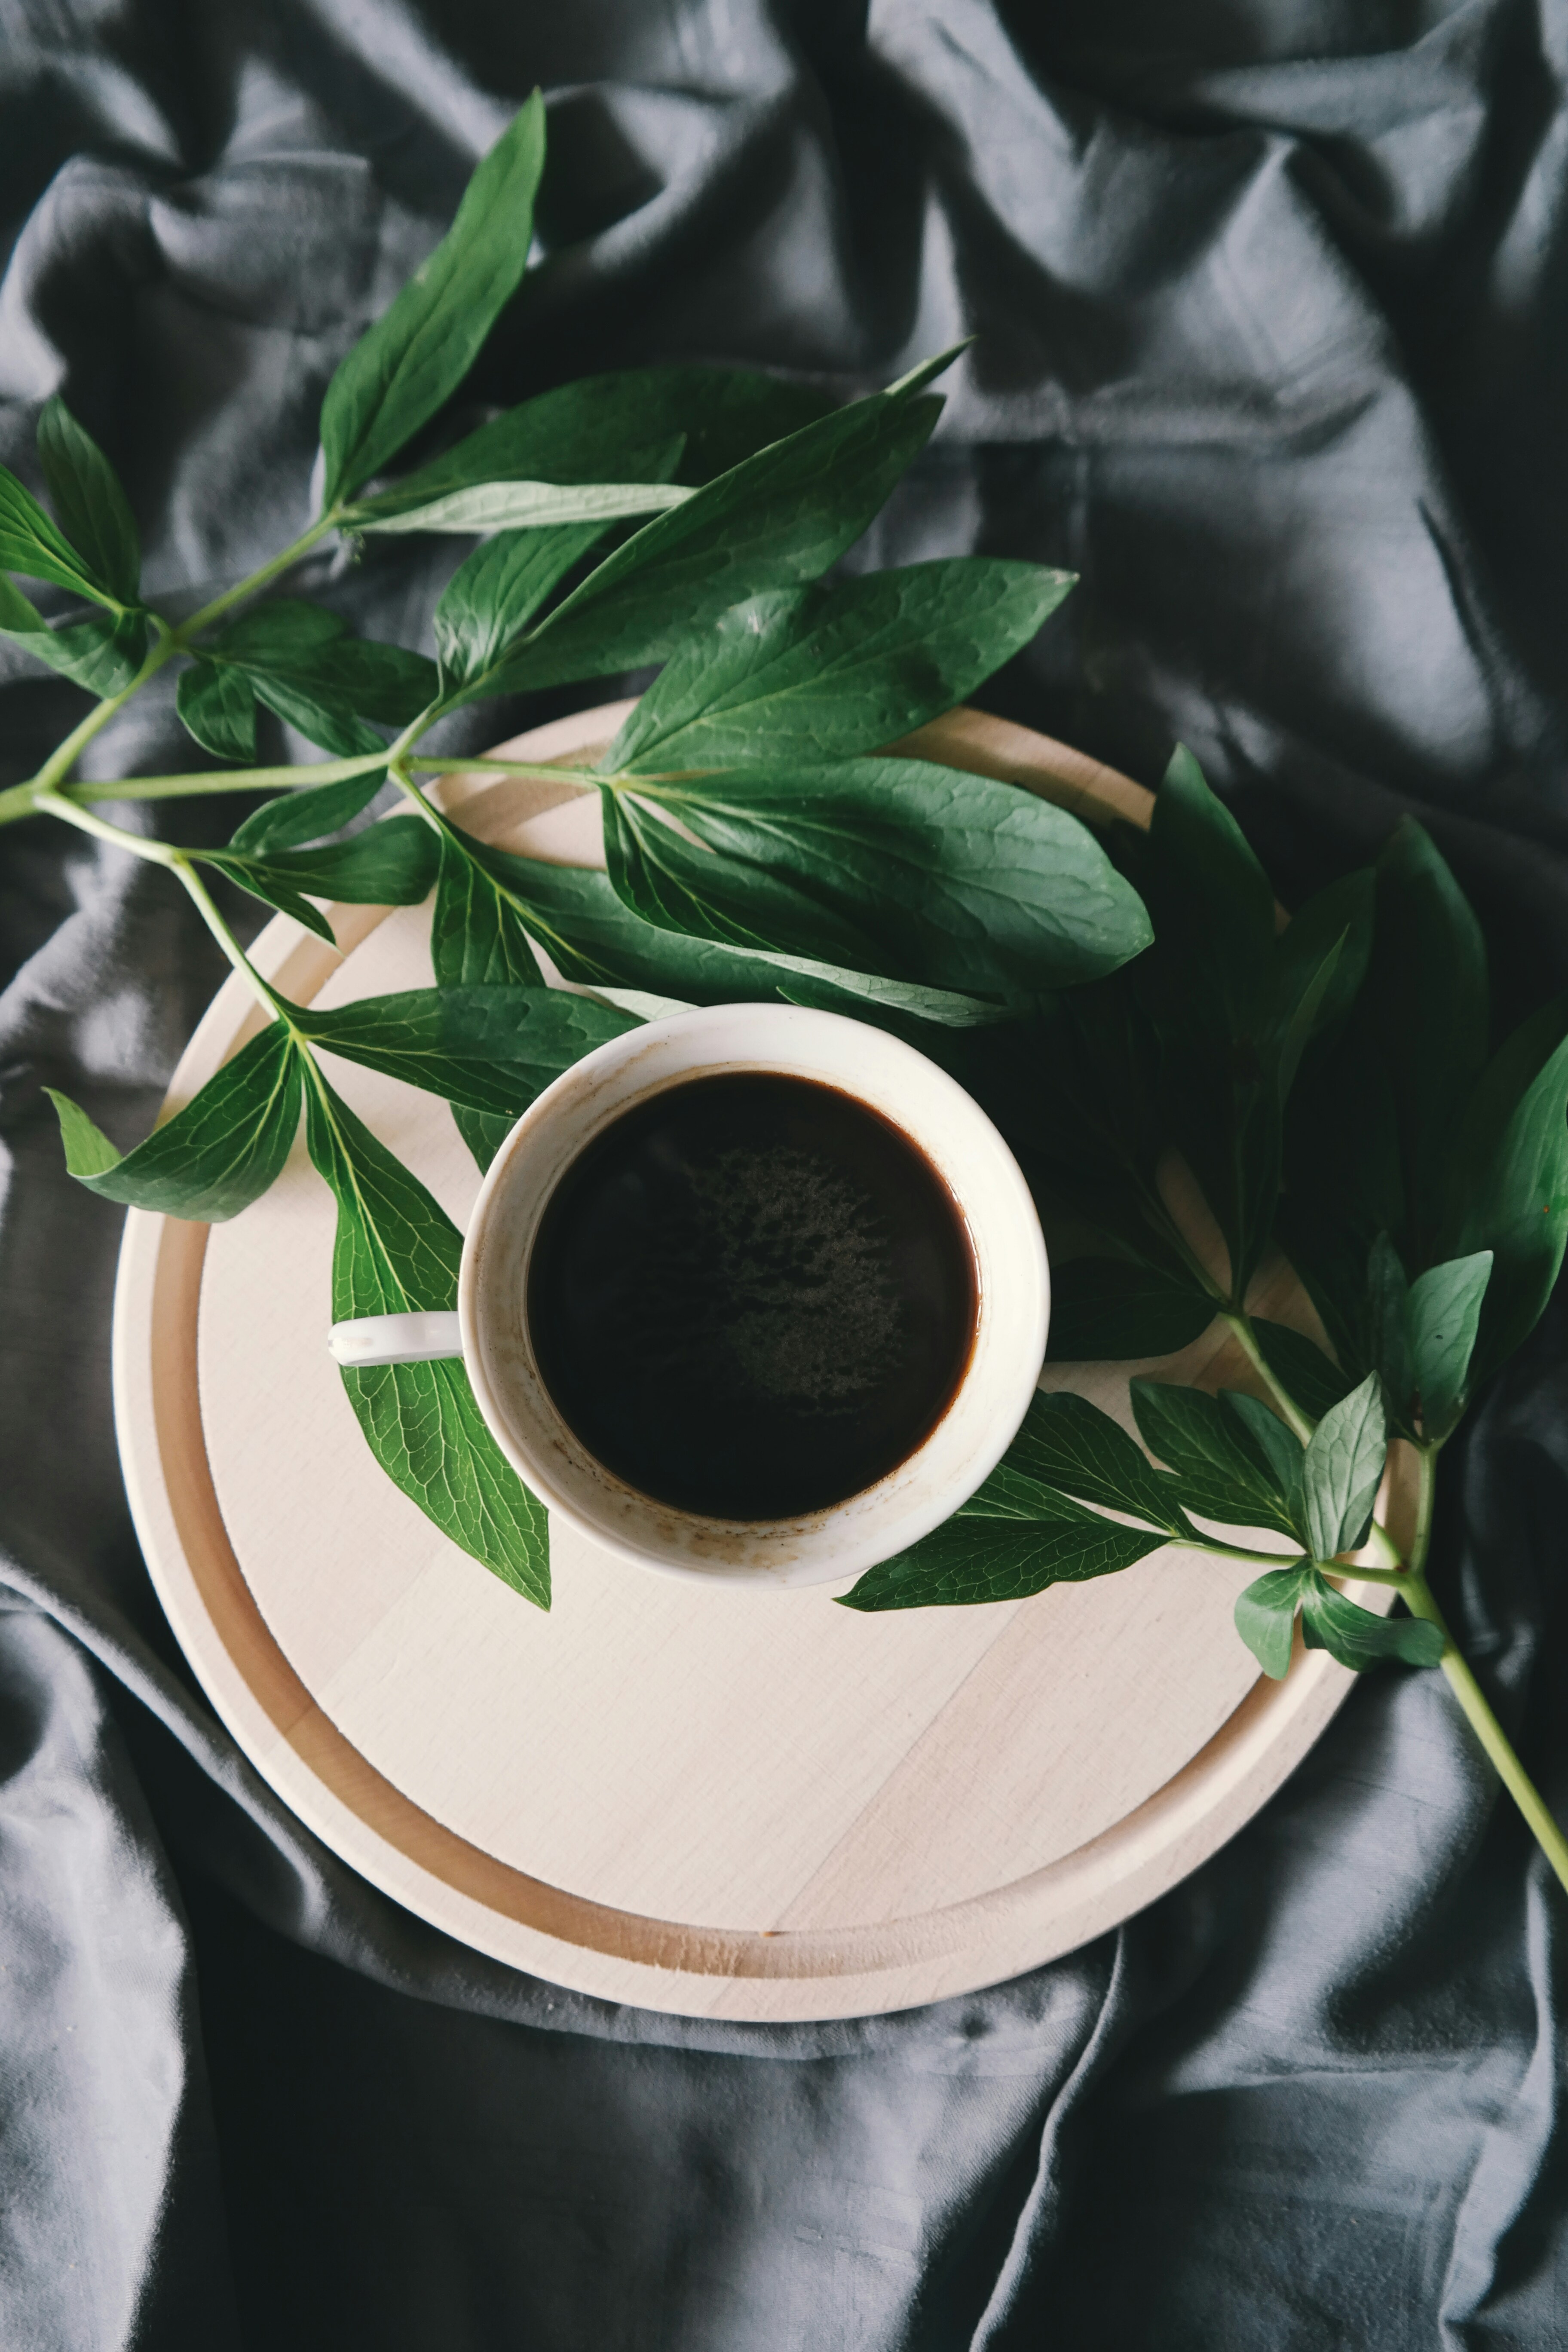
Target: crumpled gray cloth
1270 301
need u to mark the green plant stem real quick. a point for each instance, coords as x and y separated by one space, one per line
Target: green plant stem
177 862
64 756
253 583
1240 1326
1465 1688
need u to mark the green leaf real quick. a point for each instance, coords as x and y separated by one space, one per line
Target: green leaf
30 543
1108 1310
1520 1213
486 1049
393 863
1314 1380
396 1251
1358 1637
219 708
973 1560
1442 1316
103 655
533 505
1069 1443
1343 1469
912 870
302 663
1388 1298
1222 1474
809 674
92 507
779 518
214 1156
1266 1615
490 905
1276 1445
1216 901
1306 1014
296 817
1344 911
415 355
581 431
1427 994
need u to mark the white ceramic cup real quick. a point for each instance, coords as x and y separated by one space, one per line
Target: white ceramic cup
490 1329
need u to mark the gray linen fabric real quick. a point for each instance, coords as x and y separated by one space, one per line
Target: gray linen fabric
1272 347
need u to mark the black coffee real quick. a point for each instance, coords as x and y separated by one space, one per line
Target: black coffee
752 1296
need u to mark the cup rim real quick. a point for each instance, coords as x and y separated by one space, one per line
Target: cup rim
843 1538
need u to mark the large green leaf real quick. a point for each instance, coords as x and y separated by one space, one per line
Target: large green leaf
92 507
809 674
307 651
916 871
396 1251
1069 1443
103 655
580 432
214 1156
977 1559
490 905
488 1049
1222 1473
1342 1470
1427 1001
777 518
1520 1213
1109 1311
416 354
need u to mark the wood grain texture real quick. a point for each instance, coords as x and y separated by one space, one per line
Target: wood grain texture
749 1805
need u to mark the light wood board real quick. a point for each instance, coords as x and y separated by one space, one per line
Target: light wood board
712 1802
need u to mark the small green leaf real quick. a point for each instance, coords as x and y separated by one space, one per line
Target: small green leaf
1216 899
1358 1637
1520 1213
1108 1310
219 708
296 817
1442 1316
301 662
1388 1296
809 674
1266 1615
416 354
214 1156
92 507
396 1251
486 1049
1312 1380
1306 1015
393 863
973 1560
1343 1469
102 654
1221 1473
1276 1445
533 505
1068 1443
779 518
1344 912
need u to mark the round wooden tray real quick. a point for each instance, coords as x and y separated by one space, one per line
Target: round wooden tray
712 1802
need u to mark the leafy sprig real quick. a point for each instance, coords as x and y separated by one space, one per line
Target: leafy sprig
1325 1084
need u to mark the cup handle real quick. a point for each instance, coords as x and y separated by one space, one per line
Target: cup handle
395 1339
